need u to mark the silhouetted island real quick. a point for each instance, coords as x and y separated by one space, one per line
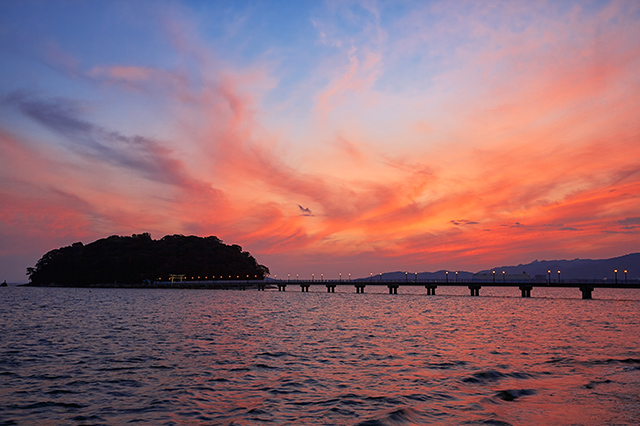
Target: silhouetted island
138 260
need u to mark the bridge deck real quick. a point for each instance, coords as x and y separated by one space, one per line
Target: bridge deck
419 283
586 287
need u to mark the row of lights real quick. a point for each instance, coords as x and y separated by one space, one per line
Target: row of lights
313 276
213 277
615 272
504 276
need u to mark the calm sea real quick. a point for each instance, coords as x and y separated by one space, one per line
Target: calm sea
197 357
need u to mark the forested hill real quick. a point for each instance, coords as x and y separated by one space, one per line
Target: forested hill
580 268
138 258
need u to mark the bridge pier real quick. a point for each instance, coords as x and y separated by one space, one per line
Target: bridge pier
526 290
431 289
586 287
475 290
586 292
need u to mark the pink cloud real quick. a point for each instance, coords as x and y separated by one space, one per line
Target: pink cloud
525 147
123 72
357 78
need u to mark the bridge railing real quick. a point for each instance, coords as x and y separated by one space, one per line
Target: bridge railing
452 281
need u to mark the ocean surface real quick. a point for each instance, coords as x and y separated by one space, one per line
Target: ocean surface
214 357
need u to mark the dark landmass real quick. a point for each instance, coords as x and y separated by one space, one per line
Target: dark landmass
576 269
139 260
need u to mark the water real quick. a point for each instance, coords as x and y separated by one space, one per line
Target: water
197 357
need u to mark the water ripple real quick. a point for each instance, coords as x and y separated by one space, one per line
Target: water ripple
111 356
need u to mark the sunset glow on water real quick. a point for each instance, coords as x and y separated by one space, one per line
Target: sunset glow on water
331 141
113 356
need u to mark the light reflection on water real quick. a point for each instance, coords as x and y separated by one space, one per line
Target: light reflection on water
112 356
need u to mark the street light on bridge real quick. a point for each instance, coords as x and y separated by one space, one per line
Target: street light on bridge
456 276
503 276
615 274
625 276
558 276
549 272
494 277
446 275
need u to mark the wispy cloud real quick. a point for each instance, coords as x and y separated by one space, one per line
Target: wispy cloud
136 153
630 223
438 134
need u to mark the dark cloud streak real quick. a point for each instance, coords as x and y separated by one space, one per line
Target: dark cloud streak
463 222
142 155
630 223
305 211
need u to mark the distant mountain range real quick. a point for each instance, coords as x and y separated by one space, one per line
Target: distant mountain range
569 269
581 268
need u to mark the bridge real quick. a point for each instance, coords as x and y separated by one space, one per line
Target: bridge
586 287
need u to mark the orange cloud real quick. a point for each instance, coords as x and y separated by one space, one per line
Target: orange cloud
522 141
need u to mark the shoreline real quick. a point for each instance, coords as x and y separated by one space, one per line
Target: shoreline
212 285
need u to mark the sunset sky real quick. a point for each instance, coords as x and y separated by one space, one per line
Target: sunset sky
323 137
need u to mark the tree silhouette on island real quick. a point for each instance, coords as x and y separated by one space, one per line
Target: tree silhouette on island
139 259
